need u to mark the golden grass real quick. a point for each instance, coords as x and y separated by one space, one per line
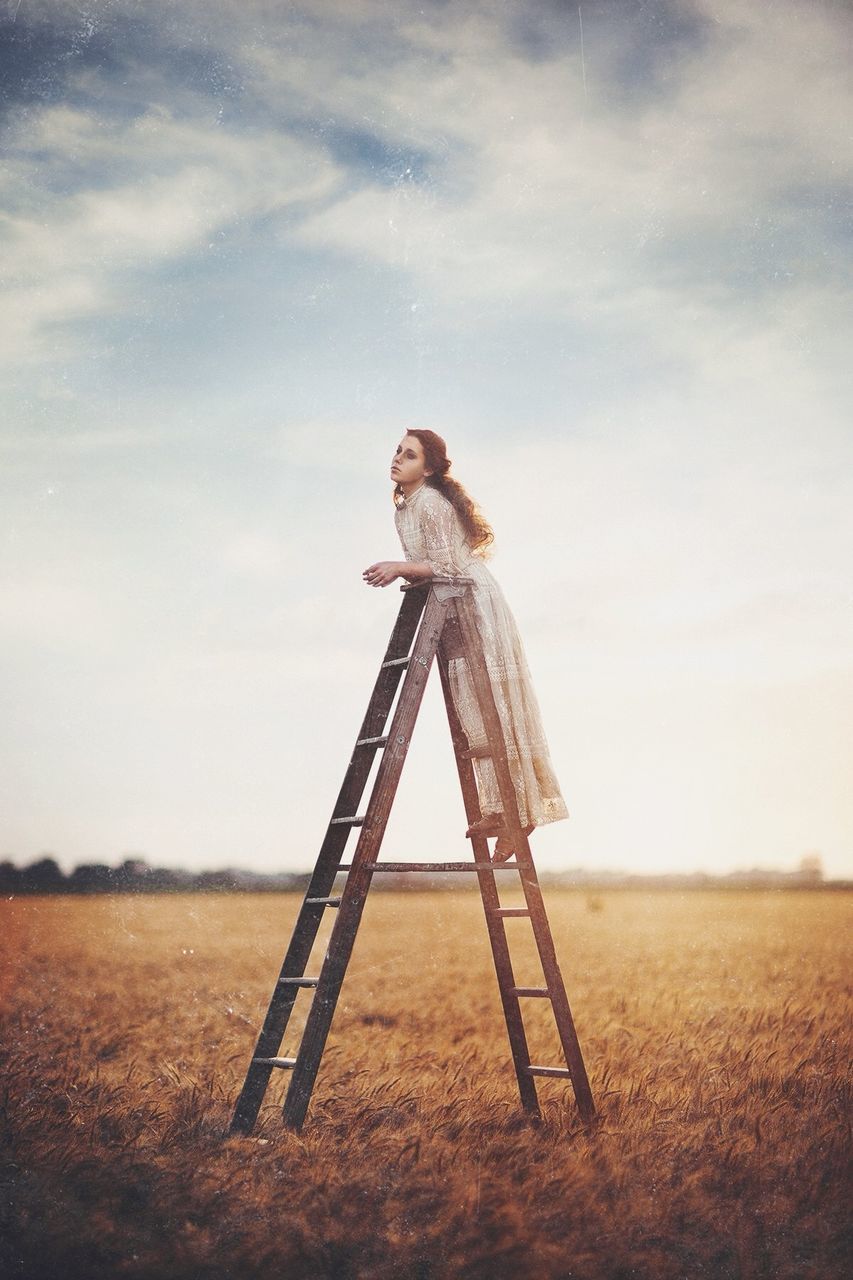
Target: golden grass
714 1025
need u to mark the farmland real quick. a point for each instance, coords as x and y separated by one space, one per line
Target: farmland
714 1025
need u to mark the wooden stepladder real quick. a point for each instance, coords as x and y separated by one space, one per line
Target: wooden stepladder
448 629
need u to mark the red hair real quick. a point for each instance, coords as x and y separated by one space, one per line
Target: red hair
478 530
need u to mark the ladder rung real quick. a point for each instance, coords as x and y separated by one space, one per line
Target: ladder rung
298 982
397 662
548 1071
355 821
530 991
277 1062
372 742
476 753
433 866
511 911
329 902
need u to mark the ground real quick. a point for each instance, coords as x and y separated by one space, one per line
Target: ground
714 1025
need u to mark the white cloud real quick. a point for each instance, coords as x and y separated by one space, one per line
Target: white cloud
631 215
86 252
532 195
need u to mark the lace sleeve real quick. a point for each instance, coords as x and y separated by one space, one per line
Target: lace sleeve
437 531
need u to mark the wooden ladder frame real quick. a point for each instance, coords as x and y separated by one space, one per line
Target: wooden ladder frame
448 628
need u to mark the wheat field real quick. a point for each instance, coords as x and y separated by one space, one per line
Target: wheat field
714 1025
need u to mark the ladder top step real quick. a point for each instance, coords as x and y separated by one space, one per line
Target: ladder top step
372 742
425 582
396 662
329 902
355 820
276 1062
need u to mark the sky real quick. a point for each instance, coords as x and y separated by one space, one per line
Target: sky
602 249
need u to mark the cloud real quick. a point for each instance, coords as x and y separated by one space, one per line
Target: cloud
563 200
94 250
483 173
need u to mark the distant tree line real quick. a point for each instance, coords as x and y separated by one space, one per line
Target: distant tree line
135 875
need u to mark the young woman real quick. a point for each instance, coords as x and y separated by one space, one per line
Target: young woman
443 533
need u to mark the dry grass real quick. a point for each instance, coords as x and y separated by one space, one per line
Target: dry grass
714 1026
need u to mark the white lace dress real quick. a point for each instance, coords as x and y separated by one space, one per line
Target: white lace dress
430 529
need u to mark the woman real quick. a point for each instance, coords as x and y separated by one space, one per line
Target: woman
443 533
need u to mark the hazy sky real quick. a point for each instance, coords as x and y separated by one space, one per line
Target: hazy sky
604 253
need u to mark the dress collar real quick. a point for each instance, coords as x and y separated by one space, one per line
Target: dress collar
404 501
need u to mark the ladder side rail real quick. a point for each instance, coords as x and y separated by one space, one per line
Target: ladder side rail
308 920
360 876
488 888
402 635
529 879
361 761
557 990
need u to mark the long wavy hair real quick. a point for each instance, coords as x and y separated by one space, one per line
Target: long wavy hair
477 529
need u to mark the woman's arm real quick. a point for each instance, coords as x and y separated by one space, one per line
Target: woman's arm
414 570
436 525
384 572
436 518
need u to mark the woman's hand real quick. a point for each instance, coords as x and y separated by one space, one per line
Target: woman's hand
382 573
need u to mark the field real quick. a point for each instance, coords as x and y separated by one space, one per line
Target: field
714 1025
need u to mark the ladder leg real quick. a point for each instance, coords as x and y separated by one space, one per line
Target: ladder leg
311 912
491 902
555 985
360 876
464 614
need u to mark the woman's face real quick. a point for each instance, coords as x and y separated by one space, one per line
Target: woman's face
408 465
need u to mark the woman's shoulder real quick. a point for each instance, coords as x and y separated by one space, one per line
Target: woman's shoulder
434 497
